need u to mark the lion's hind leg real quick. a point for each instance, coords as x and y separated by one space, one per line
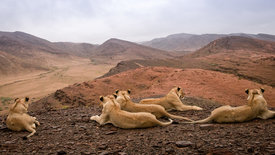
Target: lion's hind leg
31 129
267 114
102 119
35 121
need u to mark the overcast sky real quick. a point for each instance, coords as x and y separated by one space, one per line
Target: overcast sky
95 21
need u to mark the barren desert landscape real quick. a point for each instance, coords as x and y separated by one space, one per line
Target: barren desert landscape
66 93
74 76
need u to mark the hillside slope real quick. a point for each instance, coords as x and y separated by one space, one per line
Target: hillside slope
245 57
27 53
154 81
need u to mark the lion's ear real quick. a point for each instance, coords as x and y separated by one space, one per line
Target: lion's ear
262 89
101 98
129 91
15 100
117 91
115 96
27 99
246 91
178 88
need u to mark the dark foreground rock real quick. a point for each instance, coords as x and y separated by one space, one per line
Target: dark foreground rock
69 131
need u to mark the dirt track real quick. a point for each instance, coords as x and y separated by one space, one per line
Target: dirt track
70 131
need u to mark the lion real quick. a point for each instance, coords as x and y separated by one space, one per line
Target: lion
19 120
123 98
171 101
255 108
20 105
111 113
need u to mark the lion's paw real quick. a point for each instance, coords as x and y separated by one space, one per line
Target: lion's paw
94 117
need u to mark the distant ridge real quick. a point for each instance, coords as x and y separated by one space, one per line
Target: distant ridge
192 42
115 50
247 58
22 53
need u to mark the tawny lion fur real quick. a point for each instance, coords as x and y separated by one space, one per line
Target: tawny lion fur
111 113
171 101
123 98
255 108
19 120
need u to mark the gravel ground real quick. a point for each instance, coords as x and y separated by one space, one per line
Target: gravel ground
69 131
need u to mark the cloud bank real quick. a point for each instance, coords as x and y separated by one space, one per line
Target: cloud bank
95 21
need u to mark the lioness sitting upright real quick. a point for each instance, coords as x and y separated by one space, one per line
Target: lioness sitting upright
255 108
171 101
111 113
123 98
20 105
18 119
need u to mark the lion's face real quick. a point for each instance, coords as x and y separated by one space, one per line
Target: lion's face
252 92
179 92
106 99
122 96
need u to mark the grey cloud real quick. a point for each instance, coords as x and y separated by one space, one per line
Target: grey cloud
95 21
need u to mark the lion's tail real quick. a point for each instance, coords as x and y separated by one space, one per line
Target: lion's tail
179 117
166 123
147 101
206 120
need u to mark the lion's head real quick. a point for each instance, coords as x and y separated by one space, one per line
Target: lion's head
108 99
179 92
20 105
252 92
122 96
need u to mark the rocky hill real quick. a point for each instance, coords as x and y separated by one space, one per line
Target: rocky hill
69 130
155 81
252 59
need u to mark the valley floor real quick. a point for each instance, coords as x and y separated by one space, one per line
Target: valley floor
70 131
40 84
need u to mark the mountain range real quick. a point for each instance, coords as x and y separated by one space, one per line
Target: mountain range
22 52
192 42
247 58
246 55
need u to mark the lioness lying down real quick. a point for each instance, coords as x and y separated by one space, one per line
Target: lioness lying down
18 119
123 98
171 101
256 108
111 113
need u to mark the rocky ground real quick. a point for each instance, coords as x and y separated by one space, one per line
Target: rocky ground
69 131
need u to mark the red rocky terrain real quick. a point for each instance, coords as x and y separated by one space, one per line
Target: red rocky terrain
150 81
